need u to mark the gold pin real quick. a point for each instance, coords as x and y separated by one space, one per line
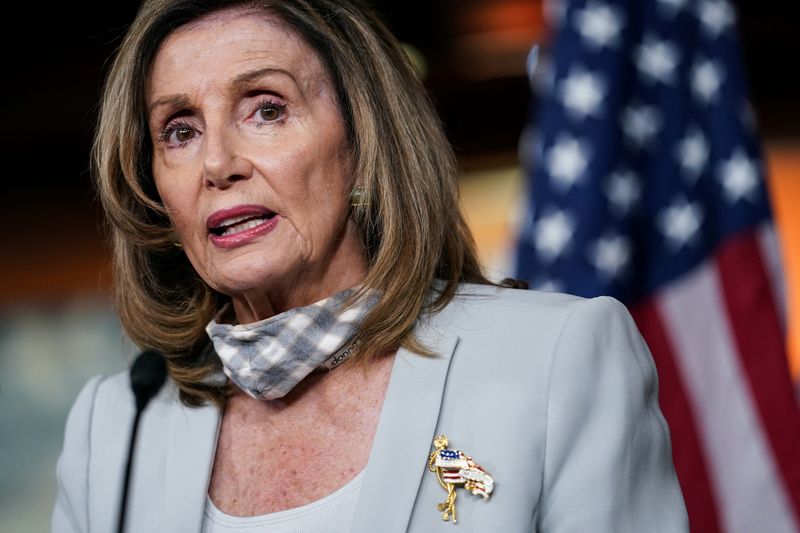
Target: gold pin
455 469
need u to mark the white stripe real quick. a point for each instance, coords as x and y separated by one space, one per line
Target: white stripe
743 473
770 247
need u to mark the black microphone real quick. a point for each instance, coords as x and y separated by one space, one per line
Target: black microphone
148 373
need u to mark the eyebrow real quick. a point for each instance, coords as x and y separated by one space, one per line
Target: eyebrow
182 100
246 77
176 100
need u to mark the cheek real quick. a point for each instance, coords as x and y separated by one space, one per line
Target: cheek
176 172
177 196
164 185
321 198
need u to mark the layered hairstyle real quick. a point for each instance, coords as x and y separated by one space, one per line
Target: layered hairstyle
410 225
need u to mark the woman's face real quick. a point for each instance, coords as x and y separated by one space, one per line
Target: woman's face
251 161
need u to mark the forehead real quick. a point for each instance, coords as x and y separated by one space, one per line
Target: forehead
219 47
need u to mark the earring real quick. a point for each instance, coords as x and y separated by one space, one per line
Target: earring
173 238
358 196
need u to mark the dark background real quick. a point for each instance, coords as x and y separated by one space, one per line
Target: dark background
56 56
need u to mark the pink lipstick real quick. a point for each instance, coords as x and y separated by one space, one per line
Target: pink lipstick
236 226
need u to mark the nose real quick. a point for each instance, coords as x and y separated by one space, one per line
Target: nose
223 164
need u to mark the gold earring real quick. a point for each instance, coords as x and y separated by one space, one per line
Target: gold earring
173 238
358 196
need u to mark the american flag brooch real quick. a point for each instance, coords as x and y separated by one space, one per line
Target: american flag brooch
455 469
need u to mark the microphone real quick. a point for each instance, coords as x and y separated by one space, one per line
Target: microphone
148 373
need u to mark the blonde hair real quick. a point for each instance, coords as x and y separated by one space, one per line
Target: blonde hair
411 227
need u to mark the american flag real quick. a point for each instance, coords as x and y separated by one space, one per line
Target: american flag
452 476
646 184
451 463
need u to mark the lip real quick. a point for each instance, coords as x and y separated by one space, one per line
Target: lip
240 237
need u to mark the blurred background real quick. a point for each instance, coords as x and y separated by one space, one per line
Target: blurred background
479 59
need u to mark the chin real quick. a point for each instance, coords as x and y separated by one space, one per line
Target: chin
245 274
253 280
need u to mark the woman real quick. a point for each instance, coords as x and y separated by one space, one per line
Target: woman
280 190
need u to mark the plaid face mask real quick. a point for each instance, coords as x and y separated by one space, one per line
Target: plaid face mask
267 359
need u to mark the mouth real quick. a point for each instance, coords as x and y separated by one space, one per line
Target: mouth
240 223
236 226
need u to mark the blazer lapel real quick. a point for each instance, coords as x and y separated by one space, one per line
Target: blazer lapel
404 436
191 442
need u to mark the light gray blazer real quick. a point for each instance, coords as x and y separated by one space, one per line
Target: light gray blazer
554 395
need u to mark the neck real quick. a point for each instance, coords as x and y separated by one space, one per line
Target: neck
324 391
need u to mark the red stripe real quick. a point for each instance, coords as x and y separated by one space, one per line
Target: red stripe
759 339
687 453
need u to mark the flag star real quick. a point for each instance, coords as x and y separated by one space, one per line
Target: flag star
641 123
582 92
657 60
623 191
599 25
566 161
706 80
671 7
715 16
552 233
680 223
610 255
692 153
739 177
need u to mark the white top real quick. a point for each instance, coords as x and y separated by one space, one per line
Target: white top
331 514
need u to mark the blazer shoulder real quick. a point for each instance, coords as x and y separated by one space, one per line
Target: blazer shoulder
71 509
473 297
102 413
91 465
521 327
115 386
116 403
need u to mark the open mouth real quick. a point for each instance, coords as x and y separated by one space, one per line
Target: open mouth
241 223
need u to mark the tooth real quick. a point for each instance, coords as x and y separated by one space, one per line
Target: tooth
234 220
243 227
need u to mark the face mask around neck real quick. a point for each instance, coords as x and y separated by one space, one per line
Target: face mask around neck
267 359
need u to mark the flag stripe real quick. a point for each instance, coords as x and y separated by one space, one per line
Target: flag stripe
758 338
687 453
743 471
769 244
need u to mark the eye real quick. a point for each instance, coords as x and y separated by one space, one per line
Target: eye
176 134
183 134
269 111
